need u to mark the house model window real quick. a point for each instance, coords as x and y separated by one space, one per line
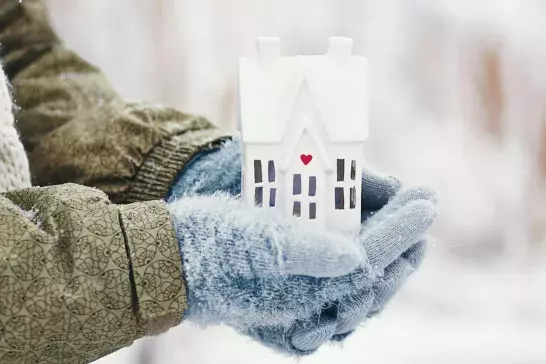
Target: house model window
345 181
260 186
304 121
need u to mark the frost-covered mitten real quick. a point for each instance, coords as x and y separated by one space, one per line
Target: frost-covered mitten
392 254
14 169
247 266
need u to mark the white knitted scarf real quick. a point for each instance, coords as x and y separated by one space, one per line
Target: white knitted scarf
14 170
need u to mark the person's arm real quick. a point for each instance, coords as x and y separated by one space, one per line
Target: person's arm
76 128
81 277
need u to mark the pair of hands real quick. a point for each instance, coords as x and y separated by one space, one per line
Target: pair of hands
279 280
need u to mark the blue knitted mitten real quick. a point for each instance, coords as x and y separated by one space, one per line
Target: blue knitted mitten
246 266
393 257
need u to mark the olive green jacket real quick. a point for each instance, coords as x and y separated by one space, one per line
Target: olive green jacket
81 276
76 128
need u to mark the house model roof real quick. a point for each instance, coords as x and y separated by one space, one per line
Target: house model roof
270 84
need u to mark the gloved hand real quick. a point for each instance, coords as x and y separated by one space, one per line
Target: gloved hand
392 255
250 267
392 241
247 266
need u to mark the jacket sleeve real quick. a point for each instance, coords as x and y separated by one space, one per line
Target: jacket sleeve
76 128
81 277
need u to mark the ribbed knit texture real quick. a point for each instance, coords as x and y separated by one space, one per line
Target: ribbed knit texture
296 318
14 170
155 176
216 170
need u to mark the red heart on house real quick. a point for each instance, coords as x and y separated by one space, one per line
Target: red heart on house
306 158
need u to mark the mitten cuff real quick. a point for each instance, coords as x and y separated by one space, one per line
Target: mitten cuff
211 171
161 167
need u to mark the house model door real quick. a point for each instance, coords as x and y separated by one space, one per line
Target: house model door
307 187
305 181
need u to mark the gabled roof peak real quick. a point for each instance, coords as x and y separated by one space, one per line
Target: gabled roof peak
269 84
305 125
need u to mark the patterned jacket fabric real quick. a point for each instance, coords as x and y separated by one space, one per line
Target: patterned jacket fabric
76 128
81 277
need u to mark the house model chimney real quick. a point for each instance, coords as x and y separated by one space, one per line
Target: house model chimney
340 47
304 121
269 49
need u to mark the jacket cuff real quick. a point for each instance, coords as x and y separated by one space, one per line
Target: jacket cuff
158 287
161 167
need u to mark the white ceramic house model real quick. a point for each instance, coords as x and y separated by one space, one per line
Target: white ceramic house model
304 121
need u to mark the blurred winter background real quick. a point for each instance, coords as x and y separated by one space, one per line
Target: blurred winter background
458 102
